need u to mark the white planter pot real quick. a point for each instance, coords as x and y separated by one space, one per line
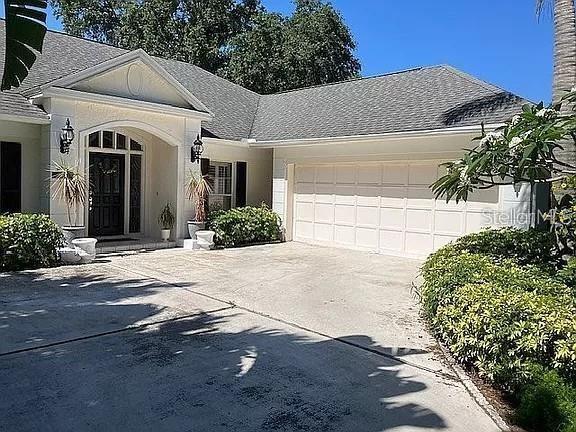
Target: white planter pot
205 239
193 227
88 245
72 232
165 233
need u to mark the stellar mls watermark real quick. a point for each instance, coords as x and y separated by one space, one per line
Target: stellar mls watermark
515 217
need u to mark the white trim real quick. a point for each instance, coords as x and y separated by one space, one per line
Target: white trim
123 60
121 102
227 142
23 119
374 137
137 125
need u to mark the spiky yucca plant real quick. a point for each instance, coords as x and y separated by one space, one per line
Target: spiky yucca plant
69 185
198 189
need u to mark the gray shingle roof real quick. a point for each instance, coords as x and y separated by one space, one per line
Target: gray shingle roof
418 99
425 98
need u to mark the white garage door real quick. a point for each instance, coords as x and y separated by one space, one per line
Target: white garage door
385 208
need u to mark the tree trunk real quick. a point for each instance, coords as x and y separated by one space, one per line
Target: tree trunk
564 78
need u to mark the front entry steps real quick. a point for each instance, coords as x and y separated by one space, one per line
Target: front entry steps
135 245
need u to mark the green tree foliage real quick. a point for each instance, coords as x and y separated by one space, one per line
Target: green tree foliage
238 39
193 31
313 46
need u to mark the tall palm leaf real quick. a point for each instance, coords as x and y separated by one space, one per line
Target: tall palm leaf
25 30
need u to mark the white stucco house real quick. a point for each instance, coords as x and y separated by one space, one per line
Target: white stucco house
346 164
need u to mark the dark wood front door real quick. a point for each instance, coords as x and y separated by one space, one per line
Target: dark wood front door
106 211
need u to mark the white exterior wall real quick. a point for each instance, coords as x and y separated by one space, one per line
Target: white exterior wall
258 167
509 207
33 174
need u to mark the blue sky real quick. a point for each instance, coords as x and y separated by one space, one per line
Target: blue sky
500 41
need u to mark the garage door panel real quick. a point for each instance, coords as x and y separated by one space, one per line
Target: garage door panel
417 219
344 235
418 243
370 174
423 175
344 214
325 174
392 218
367 238
475 221
304 191
324 213
324 192
305 174
324 232
393 196
304 230
442 240
367 216
345 174
448 222
395 175
368 196
420 198
345 195
304 211
391 241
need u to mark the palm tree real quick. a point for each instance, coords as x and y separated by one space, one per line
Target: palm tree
564 77
25 30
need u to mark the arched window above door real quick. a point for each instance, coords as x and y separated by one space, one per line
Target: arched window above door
114 141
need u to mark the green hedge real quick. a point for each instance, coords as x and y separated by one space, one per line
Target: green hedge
28 241
501 311
523 246
245 225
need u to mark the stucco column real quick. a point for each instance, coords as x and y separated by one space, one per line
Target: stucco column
60 111
185 207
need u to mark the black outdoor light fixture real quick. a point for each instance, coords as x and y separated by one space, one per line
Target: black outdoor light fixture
66 137
196 150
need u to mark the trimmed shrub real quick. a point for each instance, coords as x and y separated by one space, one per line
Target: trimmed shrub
245 225
522 246
501 330
548 403
567 274
449 269
28 241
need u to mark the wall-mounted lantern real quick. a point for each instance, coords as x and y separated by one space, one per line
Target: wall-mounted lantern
66 137
196 150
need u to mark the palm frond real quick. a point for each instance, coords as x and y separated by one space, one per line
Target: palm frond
542 6
25 31
68 185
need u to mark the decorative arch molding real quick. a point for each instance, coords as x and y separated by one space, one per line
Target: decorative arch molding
163 135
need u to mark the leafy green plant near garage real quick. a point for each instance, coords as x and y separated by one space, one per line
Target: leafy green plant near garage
28 241
244 226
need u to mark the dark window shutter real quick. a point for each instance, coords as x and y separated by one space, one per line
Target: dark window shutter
204 166
241 184
10 177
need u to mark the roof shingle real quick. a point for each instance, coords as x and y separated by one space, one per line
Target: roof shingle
425 98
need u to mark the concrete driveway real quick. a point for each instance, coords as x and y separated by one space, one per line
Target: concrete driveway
280 337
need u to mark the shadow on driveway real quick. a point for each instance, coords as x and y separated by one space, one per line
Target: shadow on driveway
146 358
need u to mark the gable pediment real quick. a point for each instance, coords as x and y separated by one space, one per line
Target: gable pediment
136 76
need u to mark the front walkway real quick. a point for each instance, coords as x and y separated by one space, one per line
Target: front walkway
283 337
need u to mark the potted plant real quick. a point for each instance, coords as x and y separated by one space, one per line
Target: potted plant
69 184
166 221
198 189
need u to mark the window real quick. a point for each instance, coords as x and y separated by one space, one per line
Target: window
220 174
108 139
135 145
121 142
94 139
